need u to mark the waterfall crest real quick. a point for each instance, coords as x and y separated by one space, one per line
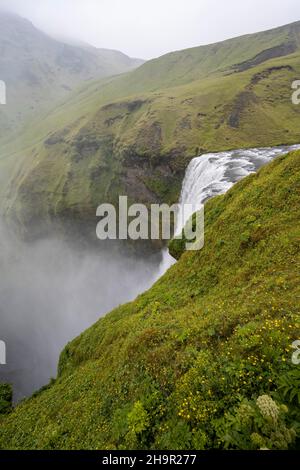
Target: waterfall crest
214 173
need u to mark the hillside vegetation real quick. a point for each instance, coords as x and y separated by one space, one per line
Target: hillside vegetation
39 70
134 134
203 359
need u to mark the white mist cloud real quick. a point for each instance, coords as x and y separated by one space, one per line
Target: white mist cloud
50 293
149 28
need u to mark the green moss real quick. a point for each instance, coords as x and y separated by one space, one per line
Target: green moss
5 398
172 369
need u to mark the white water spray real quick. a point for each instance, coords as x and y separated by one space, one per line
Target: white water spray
214 173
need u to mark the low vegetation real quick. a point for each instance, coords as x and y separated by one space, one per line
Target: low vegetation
203 359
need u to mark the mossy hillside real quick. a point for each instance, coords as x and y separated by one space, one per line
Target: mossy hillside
134 134
183 365
6 394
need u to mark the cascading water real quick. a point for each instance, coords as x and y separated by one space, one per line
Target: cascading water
50 293
213 174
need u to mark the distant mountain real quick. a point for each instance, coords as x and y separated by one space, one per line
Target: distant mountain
38 69
134 134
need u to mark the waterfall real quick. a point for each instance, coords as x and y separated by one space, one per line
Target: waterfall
215 173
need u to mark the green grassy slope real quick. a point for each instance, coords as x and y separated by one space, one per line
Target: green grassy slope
134 134
39 70
237 54
183 365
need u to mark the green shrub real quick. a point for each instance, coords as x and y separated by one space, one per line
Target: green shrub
257 425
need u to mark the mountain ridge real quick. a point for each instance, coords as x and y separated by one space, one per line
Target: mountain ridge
39 69
134 134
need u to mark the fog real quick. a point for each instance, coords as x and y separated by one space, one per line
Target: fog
49 293
146 29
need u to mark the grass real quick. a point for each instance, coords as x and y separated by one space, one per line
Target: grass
146 125
203 359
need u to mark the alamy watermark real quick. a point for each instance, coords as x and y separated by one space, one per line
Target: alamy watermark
2 353
2 92
160 222
296 93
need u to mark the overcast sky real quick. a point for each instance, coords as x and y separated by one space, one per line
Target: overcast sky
149 28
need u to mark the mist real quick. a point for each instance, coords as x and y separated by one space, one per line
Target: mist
149 29
50 293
